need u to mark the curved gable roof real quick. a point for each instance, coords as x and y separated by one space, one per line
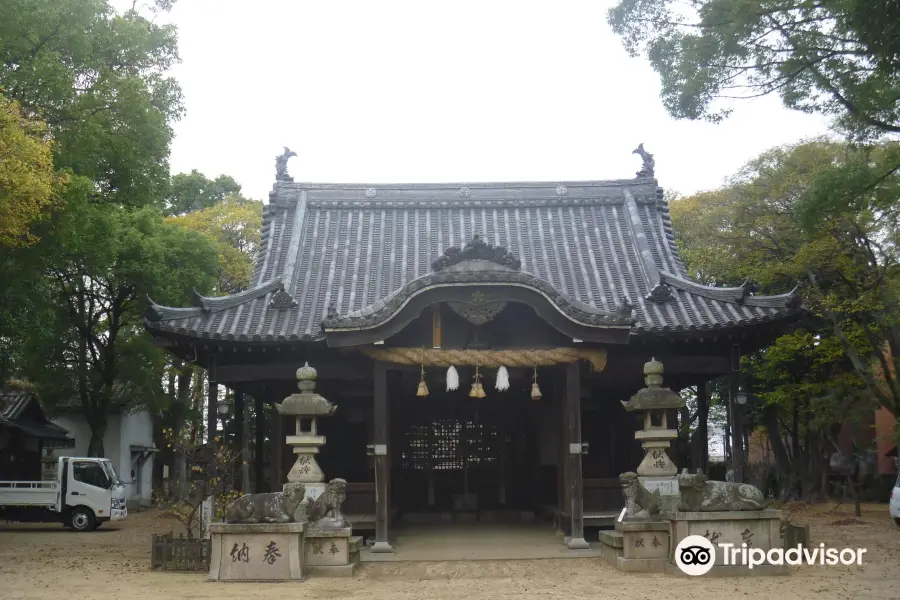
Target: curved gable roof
601 245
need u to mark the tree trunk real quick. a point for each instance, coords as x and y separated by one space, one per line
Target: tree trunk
700 438
184 394
783 470
97 423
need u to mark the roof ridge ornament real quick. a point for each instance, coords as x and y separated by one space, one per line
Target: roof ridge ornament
647 168
281 173
660 293
282 299
477 249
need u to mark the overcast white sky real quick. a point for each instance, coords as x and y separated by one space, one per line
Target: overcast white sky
459 91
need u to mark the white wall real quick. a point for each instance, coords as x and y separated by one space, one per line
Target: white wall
136 430
122 432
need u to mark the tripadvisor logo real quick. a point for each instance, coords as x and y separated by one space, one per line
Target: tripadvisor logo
696 555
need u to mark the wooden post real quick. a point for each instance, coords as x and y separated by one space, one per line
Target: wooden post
737 436
240 424
260 460
574 450
277 449
212 411
380 454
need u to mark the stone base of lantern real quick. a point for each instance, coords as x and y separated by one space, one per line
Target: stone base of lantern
332 551
637 546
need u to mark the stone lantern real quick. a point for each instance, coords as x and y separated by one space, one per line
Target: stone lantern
656 471
306 406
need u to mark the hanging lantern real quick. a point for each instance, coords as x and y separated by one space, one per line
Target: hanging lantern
535 390
502 379
423 388
477 390
452 379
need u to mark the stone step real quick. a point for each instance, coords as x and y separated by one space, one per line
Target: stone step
355 543
612 538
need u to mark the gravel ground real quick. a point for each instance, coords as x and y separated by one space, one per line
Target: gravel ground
46 562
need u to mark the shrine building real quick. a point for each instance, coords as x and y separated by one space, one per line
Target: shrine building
558 293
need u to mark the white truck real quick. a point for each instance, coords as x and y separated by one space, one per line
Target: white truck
84 494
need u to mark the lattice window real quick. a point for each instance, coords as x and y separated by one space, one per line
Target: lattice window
450 444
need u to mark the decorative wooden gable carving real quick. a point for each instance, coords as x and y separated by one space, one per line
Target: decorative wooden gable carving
477 249
480 310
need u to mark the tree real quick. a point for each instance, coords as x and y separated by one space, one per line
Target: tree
27 178
189 192
756 227
98 79
833 57
106 263
233 224
213 468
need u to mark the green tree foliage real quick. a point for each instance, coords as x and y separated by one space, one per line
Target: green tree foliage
70 316
834 57
28 183
193 191
98 79
829 370
233 225
93 347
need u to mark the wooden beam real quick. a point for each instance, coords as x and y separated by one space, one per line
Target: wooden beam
380 451
627 366
572 411
435 325
287 371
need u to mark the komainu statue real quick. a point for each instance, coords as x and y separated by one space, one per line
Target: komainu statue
276 507
639 502
699 494
328 504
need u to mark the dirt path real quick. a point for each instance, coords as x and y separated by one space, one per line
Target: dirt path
47 562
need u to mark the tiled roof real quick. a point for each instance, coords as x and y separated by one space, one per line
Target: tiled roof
13 404
602 247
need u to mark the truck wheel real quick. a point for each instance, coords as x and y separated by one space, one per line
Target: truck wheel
82 519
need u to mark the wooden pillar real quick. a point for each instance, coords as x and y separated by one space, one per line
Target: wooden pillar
259 466
699 444
212 411
562 457
241 429
737 436
277 449
574 450
380 453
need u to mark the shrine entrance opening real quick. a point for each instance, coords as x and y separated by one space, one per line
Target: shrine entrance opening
465 458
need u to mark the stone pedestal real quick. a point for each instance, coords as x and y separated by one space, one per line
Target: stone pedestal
637 546
257 552
332 551
756 528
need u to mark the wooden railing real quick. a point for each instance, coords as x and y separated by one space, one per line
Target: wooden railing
171 553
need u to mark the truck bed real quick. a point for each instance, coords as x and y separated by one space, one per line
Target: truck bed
29 493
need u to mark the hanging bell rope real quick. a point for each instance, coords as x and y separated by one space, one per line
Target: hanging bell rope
524 357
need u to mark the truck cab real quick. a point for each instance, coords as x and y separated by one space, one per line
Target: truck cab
83 494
